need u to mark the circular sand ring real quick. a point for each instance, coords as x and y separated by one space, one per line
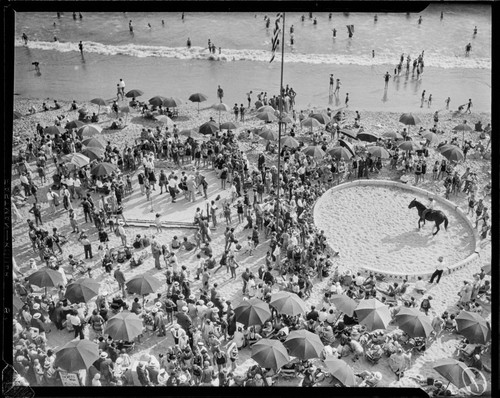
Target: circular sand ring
370 223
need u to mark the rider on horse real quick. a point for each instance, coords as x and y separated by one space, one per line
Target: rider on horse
430 207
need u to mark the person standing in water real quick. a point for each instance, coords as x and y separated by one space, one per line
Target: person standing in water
334 33
475 30
447 102
442 14
375 18
332 82
468 47
469 105
347 99
220 93
337 88
387 76
80 46
25 38
130 27
373 53
420 20
188 43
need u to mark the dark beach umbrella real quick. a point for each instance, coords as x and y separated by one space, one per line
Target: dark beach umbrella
100 102
157 101
267 116
83 111
409 146
74 124
208 128
431 137
290 142
350 133
143 284
341 371
463 128
271 354
288 303
348 146
17 115
189 133
487 269
379 152
344 304
393 134
46 277
93 153
339 152
252 312
228 126
310 122
124 326
373 314
268 134
17 304
304 344
414 322
452 153
103 169
474 327
321 117
367 136
93 142
314 151
54 130
134 93
455 372
82 290
258 104
172 102
409 119
198 97
77 355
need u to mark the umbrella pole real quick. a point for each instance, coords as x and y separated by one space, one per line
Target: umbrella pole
99 109
198 107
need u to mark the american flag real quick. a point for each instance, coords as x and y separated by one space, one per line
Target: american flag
276 36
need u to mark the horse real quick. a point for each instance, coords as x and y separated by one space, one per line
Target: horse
433 215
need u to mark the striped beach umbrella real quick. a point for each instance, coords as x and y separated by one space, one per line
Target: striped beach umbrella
90 129
93 142
267 116
172 102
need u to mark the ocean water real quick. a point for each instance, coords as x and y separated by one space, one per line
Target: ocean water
157 60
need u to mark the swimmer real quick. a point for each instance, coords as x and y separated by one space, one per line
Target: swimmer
220 50
182 16
315 21
347 99
25 38
475 30
422 100
80 46
268 22
441 15
37 67
54 24
74 16
420 20
447 102
469 105
291 30
149 25
130 27
337 88
330 16
332 81
80 15
334 32
375 18
387 76
162 22
292 41
373 53
302 18
58 15
55 38
310 15
468 47
188 43
429 101
209 45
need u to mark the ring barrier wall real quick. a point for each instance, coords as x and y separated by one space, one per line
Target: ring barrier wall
445 202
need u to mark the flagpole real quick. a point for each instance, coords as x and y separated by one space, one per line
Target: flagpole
281 100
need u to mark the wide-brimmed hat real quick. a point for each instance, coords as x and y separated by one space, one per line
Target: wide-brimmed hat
158 304
181 297
154 310
104 354
210 304
184 309
36 306
192 297
37 315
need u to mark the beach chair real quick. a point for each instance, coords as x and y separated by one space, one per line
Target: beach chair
288 372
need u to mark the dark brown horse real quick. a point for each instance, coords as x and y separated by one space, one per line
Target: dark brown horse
433 215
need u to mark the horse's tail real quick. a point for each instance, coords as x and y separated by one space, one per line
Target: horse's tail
446 223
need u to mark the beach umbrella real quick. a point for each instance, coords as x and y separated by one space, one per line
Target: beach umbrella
124 326
198 97
99 102
76 355
463 128
304 344
379 152
270 354
414 322
17 115
172 102
348 146
126 110
290 142
208 128
474 327
393 135
93 143
339 152
285 119
46 277
83 111
228 126
134 93
350 133
268 134
288 303
54 130
252 312
310 122
430 136
266 108
17 304
82 290
258 104
93 153
367 136
103 169
452 153
373 314
409 146
409 119
267 116
455 372
90 129
314 151
341 371
221 107
143 284
321 117
164 119
487 268
157 100
74 124
189 133
344 304
78 159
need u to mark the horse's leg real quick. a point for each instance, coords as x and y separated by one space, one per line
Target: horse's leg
437 226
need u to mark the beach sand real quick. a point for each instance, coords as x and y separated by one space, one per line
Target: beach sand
444 294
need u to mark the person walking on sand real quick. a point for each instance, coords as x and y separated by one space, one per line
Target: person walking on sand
122 87
220 93
347 100
469 105
332 82
447 102
422 99
120 278
438 272
337 88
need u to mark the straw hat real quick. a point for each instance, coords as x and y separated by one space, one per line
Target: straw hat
192 297
184 309
119 361
104 354
154 310
36 306
158 304
210 304
377 376
37 315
